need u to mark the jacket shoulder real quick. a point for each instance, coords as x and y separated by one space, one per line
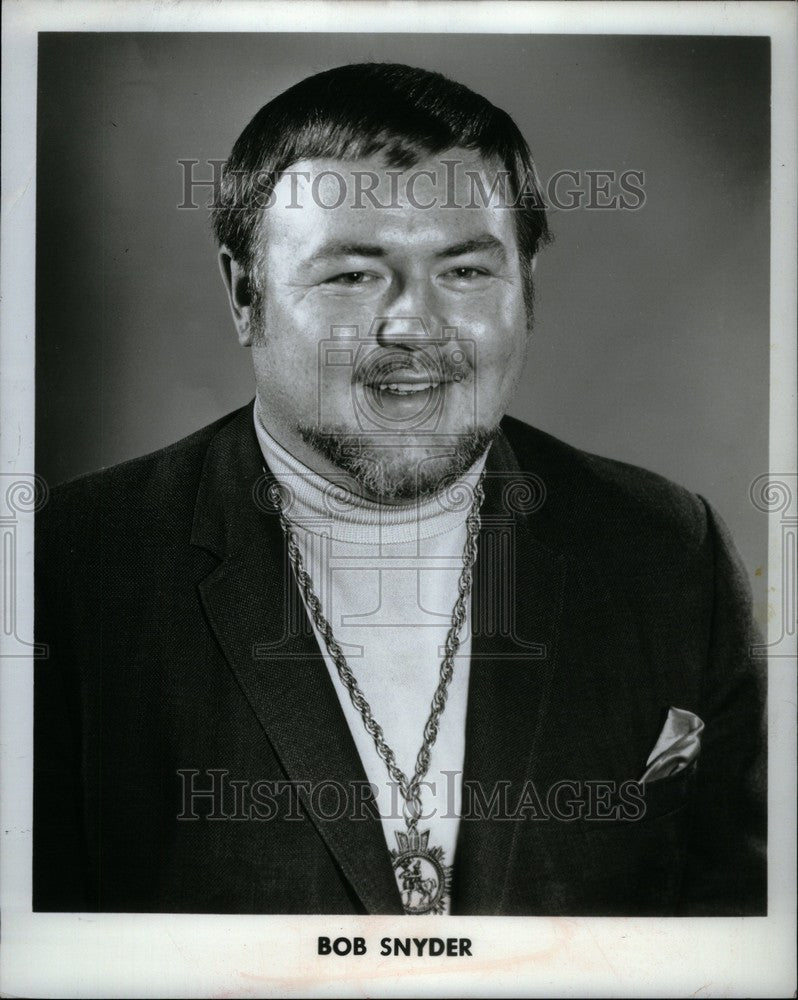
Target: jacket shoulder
603 498
153 488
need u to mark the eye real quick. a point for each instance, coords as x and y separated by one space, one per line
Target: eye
466 273
351 278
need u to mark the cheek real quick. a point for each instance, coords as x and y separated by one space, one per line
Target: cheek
290 361
289 339
515 365
298 327
500 344
284 357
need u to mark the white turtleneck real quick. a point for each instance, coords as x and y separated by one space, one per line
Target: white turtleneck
387 580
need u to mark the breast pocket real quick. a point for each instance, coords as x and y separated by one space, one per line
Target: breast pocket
630 866
668 795
637 865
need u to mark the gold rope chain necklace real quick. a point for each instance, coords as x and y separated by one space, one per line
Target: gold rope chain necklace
423 877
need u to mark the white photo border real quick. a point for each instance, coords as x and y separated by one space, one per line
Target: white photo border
180 955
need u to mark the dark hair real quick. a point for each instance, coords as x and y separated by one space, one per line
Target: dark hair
360 110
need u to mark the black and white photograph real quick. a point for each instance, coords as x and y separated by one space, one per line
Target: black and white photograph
404 529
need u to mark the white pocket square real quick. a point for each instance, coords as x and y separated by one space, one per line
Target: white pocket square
678 745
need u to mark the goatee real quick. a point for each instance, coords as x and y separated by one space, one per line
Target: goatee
385 472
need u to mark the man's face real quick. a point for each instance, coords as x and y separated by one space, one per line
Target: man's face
387 341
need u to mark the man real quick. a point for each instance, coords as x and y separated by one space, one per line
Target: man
371 625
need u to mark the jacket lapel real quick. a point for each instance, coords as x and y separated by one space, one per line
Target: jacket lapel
550 700
545 702
256 613
516 610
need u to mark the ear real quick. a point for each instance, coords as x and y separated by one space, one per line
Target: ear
239 294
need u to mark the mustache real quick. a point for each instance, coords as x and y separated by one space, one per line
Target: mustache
424 364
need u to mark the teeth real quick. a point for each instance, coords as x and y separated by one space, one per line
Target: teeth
405 388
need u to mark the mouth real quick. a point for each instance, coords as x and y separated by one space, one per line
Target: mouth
403 386
402 380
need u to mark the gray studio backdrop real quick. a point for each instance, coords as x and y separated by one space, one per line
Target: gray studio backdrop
651 336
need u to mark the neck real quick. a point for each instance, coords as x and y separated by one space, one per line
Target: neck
326 505
397 470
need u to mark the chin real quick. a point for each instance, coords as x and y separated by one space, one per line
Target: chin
394 469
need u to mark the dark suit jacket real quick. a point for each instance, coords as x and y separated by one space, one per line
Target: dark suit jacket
177 643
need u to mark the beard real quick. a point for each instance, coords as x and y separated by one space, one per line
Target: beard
388 473
382 472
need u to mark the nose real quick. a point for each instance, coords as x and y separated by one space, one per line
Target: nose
411 332
410 321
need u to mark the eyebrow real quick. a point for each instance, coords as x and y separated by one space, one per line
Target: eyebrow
335 249
480 243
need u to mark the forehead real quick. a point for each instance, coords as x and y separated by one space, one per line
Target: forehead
443 199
